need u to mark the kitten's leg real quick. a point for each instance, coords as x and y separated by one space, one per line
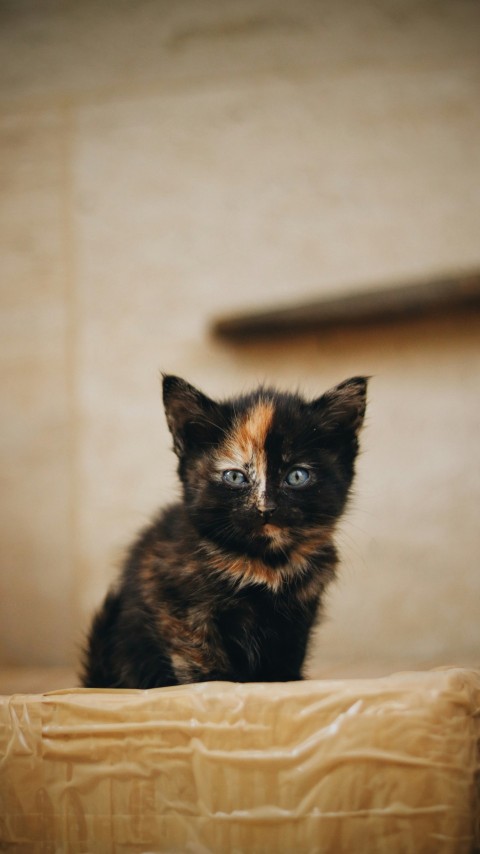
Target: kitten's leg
98 660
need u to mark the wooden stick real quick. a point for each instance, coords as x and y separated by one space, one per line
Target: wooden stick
355 309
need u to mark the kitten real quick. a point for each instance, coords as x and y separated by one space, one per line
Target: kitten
227 584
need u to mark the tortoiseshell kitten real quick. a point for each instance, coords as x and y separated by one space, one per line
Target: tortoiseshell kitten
227 584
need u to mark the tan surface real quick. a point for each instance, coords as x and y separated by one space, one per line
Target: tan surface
385 765
38 680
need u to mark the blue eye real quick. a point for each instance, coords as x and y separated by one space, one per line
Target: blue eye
234 478
297 477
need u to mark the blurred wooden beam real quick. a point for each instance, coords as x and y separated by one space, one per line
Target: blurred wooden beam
395 302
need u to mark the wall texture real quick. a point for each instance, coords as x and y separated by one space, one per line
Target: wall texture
162 163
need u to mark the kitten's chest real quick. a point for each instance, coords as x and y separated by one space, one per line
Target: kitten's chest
264 635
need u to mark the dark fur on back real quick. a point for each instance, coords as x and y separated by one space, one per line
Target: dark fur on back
227 584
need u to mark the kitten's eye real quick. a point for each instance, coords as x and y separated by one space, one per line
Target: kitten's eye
234 477
297 477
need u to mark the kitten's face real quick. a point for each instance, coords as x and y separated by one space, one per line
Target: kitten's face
267 473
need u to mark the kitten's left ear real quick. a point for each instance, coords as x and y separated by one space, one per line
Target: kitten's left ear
192 418
342 408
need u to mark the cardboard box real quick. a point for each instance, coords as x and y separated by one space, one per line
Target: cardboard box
373 765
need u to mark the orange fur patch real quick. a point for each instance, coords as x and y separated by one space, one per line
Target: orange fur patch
316 540
254 571
246 446
251 433
247 439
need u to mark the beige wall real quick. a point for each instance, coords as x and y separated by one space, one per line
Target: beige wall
165 162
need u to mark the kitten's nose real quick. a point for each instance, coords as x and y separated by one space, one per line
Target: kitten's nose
267 508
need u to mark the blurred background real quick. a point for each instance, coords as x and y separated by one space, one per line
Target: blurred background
166 163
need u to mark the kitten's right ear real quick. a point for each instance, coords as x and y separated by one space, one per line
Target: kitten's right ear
341 410
192 418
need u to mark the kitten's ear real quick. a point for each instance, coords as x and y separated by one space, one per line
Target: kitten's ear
342 408
193 419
